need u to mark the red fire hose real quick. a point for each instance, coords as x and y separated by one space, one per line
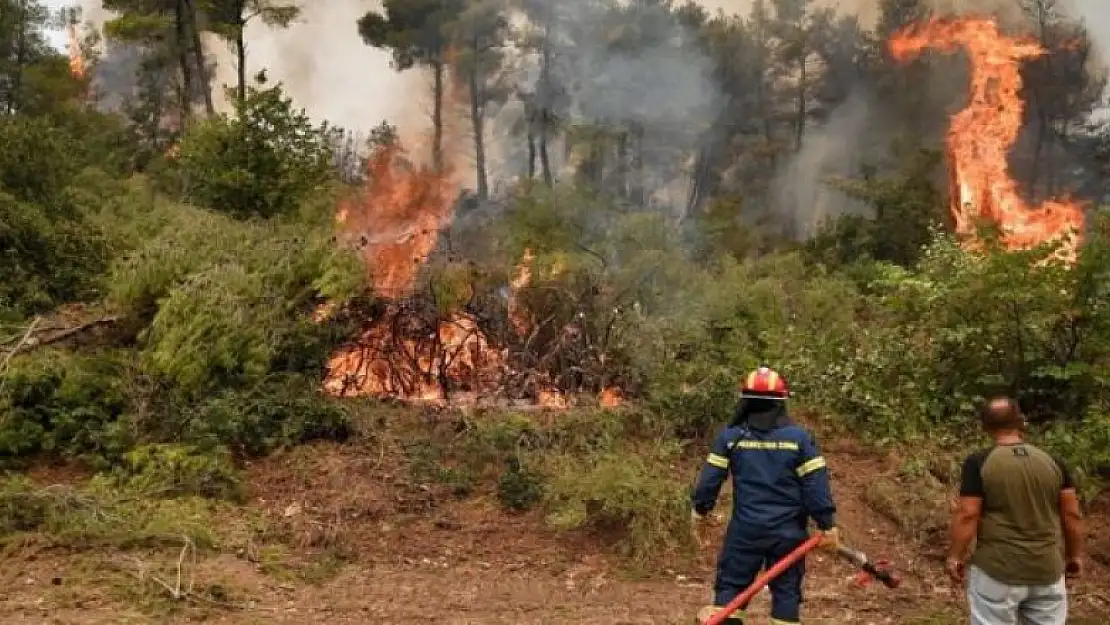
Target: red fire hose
721 615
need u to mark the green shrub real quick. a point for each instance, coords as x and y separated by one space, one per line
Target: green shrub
101 515
263 162
1085 446
428 465
66 404
281 410
168 470
519 488
50 257
623 493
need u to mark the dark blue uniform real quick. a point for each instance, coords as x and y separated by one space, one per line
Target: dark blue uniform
779 483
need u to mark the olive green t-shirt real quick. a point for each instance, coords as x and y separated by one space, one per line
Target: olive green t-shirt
1020 542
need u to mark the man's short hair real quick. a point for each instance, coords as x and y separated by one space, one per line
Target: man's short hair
1002 413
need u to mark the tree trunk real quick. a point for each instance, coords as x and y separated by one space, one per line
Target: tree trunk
620 185
530 127
545 161
198 54
241 52
637 193
182 49
20 59
241 61
546 100
477 114
800 128
438 88
531 154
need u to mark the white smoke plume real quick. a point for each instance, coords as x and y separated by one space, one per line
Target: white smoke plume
322 62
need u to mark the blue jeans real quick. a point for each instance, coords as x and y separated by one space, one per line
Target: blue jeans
995 603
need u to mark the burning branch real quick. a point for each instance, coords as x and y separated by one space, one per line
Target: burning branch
982 134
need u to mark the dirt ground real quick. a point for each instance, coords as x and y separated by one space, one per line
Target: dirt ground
412 554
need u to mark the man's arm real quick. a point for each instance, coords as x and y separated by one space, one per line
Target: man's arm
1071 519
969 509
713 476
816 489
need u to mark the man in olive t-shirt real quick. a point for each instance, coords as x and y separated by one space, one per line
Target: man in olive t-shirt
1019 505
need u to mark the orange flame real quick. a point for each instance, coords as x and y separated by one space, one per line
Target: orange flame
520 320
396 221
981 135
76 57
610 397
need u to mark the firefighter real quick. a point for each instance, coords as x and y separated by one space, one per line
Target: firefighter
780 482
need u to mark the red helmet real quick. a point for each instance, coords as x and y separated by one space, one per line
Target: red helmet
765 383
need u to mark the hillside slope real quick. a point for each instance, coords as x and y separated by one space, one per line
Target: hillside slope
369 547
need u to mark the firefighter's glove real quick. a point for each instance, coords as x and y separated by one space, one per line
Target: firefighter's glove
830 539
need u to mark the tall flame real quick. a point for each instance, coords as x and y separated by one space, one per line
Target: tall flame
73 49
397 219
982 134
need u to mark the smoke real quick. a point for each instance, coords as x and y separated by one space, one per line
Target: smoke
852 134
835 150
321 61
326 68
866 10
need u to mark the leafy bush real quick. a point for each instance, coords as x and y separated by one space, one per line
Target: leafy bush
167 470
519 488
262 162
279 411
100 515
624 493
68 404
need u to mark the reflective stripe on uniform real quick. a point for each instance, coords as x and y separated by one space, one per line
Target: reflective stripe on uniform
779 445
718 461
811 465
779 621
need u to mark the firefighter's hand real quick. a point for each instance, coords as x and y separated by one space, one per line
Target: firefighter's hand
699 524
830 539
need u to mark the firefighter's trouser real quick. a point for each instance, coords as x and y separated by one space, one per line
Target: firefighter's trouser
744 555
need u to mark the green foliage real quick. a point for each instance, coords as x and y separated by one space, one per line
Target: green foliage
52 253
1084 444
66 404
281 410
518 488
50 257
624 493
264 161
170 470
428 465
907 206
229 302
99 515
414 30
